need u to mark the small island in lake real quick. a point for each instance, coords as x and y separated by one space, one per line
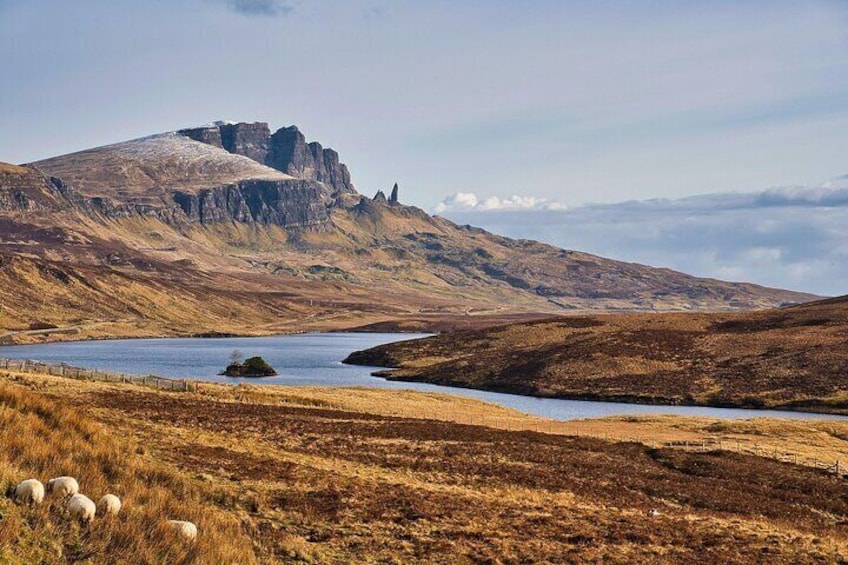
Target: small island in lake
252 367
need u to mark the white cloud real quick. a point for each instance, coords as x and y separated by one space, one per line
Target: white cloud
470 201
458 201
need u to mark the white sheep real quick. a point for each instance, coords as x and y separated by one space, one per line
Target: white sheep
81 507
186 529
63 486
109 505
30 491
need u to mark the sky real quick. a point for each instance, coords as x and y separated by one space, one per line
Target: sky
538 105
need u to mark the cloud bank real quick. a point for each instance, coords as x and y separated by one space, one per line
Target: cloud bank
788 237
465 201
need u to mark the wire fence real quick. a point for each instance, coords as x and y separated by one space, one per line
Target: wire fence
64 370
835 467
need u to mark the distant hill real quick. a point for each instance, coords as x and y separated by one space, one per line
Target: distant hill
791 358
233 228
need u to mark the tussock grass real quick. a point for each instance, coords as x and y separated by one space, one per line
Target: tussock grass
42 439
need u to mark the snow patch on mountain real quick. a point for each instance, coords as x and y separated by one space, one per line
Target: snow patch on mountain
159 162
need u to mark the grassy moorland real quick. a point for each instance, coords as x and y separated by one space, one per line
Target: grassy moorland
274 474
792 358
42 438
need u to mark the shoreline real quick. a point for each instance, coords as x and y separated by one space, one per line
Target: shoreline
382 372
617 399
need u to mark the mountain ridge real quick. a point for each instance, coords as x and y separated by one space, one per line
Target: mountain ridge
179 209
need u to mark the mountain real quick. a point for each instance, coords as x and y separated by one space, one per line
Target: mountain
789 358
232 228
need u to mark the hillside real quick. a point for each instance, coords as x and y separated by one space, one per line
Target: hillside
232 227
792 358
279 474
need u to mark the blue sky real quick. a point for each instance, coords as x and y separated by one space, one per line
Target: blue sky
573 101
553 101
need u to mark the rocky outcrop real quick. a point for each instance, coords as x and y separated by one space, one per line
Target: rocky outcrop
290 204
393 199
25 189
210 135
285 150
167 212
251 140
292 155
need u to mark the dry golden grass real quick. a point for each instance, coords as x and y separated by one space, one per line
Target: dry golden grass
42 439
8 168
809 442
353 475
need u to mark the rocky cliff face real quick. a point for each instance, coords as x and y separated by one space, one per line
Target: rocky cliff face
250 140
24 189
290 204
210 135
285 150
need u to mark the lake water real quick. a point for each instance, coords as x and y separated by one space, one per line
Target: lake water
315 360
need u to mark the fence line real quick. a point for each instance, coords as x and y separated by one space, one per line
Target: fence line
65 370
836 468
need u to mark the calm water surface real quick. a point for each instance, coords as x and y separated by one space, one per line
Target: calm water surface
315 360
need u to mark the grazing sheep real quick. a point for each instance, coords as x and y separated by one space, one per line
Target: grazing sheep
81 507
109 505
63 486
30 491
186 529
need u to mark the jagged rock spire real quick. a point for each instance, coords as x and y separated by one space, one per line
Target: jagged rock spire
285 150
394 196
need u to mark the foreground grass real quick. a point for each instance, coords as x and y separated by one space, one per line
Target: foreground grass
43 439
340 476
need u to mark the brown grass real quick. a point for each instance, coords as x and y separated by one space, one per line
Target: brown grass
339 476
787 358
8 168
42 439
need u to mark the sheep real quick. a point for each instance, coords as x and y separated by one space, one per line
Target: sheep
109 505
63 486
186 529
30 491
81 507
